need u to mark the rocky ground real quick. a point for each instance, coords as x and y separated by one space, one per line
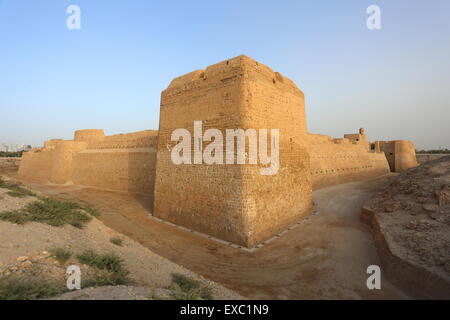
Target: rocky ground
116 293
8 203
413 216
424 157
25 250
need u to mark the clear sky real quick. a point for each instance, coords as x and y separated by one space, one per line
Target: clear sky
395 82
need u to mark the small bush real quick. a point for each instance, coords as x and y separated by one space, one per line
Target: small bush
185 288
108 279
110 266
117 241
16 190
52 212
109 262
153 295
17 217
87 208
14 287
62 255
58 213
19 194
10 154
2 183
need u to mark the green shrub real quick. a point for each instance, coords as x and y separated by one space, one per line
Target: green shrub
14 287
152 294
110 266
16 190
10 154
117 241
434 151
62 255
108 279
109 262
185 288
17 217
52 212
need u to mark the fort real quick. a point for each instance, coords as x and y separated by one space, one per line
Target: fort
233 202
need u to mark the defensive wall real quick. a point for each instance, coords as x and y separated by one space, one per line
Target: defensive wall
336 161
233 202
124 162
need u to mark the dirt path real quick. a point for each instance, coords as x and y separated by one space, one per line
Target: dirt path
325 258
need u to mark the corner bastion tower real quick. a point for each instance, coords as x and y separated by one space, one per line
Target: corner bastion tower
234 202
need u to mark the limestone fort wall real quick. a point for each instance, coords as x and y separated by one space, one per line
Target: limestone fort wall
336 161
124 162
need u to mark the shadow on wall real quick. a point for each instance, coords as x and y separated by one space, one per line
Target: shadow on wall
141 172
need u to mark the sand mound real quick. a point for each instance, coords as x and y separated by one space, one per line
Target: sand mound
411 224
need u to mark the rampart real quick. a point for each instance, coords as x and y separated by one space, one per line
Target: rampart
234 202
124 162
336 161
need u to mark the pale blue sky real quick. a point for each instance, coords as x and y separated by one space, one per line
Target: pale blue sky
395 82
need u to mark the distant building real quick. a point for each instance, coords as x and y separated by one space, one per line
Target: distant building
14 147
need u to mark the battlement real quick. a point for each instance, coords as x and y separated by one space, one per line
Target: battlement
140 139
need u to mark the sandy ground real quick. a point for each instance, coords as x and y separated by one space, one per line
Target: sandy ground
23 247
325 258
8 203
